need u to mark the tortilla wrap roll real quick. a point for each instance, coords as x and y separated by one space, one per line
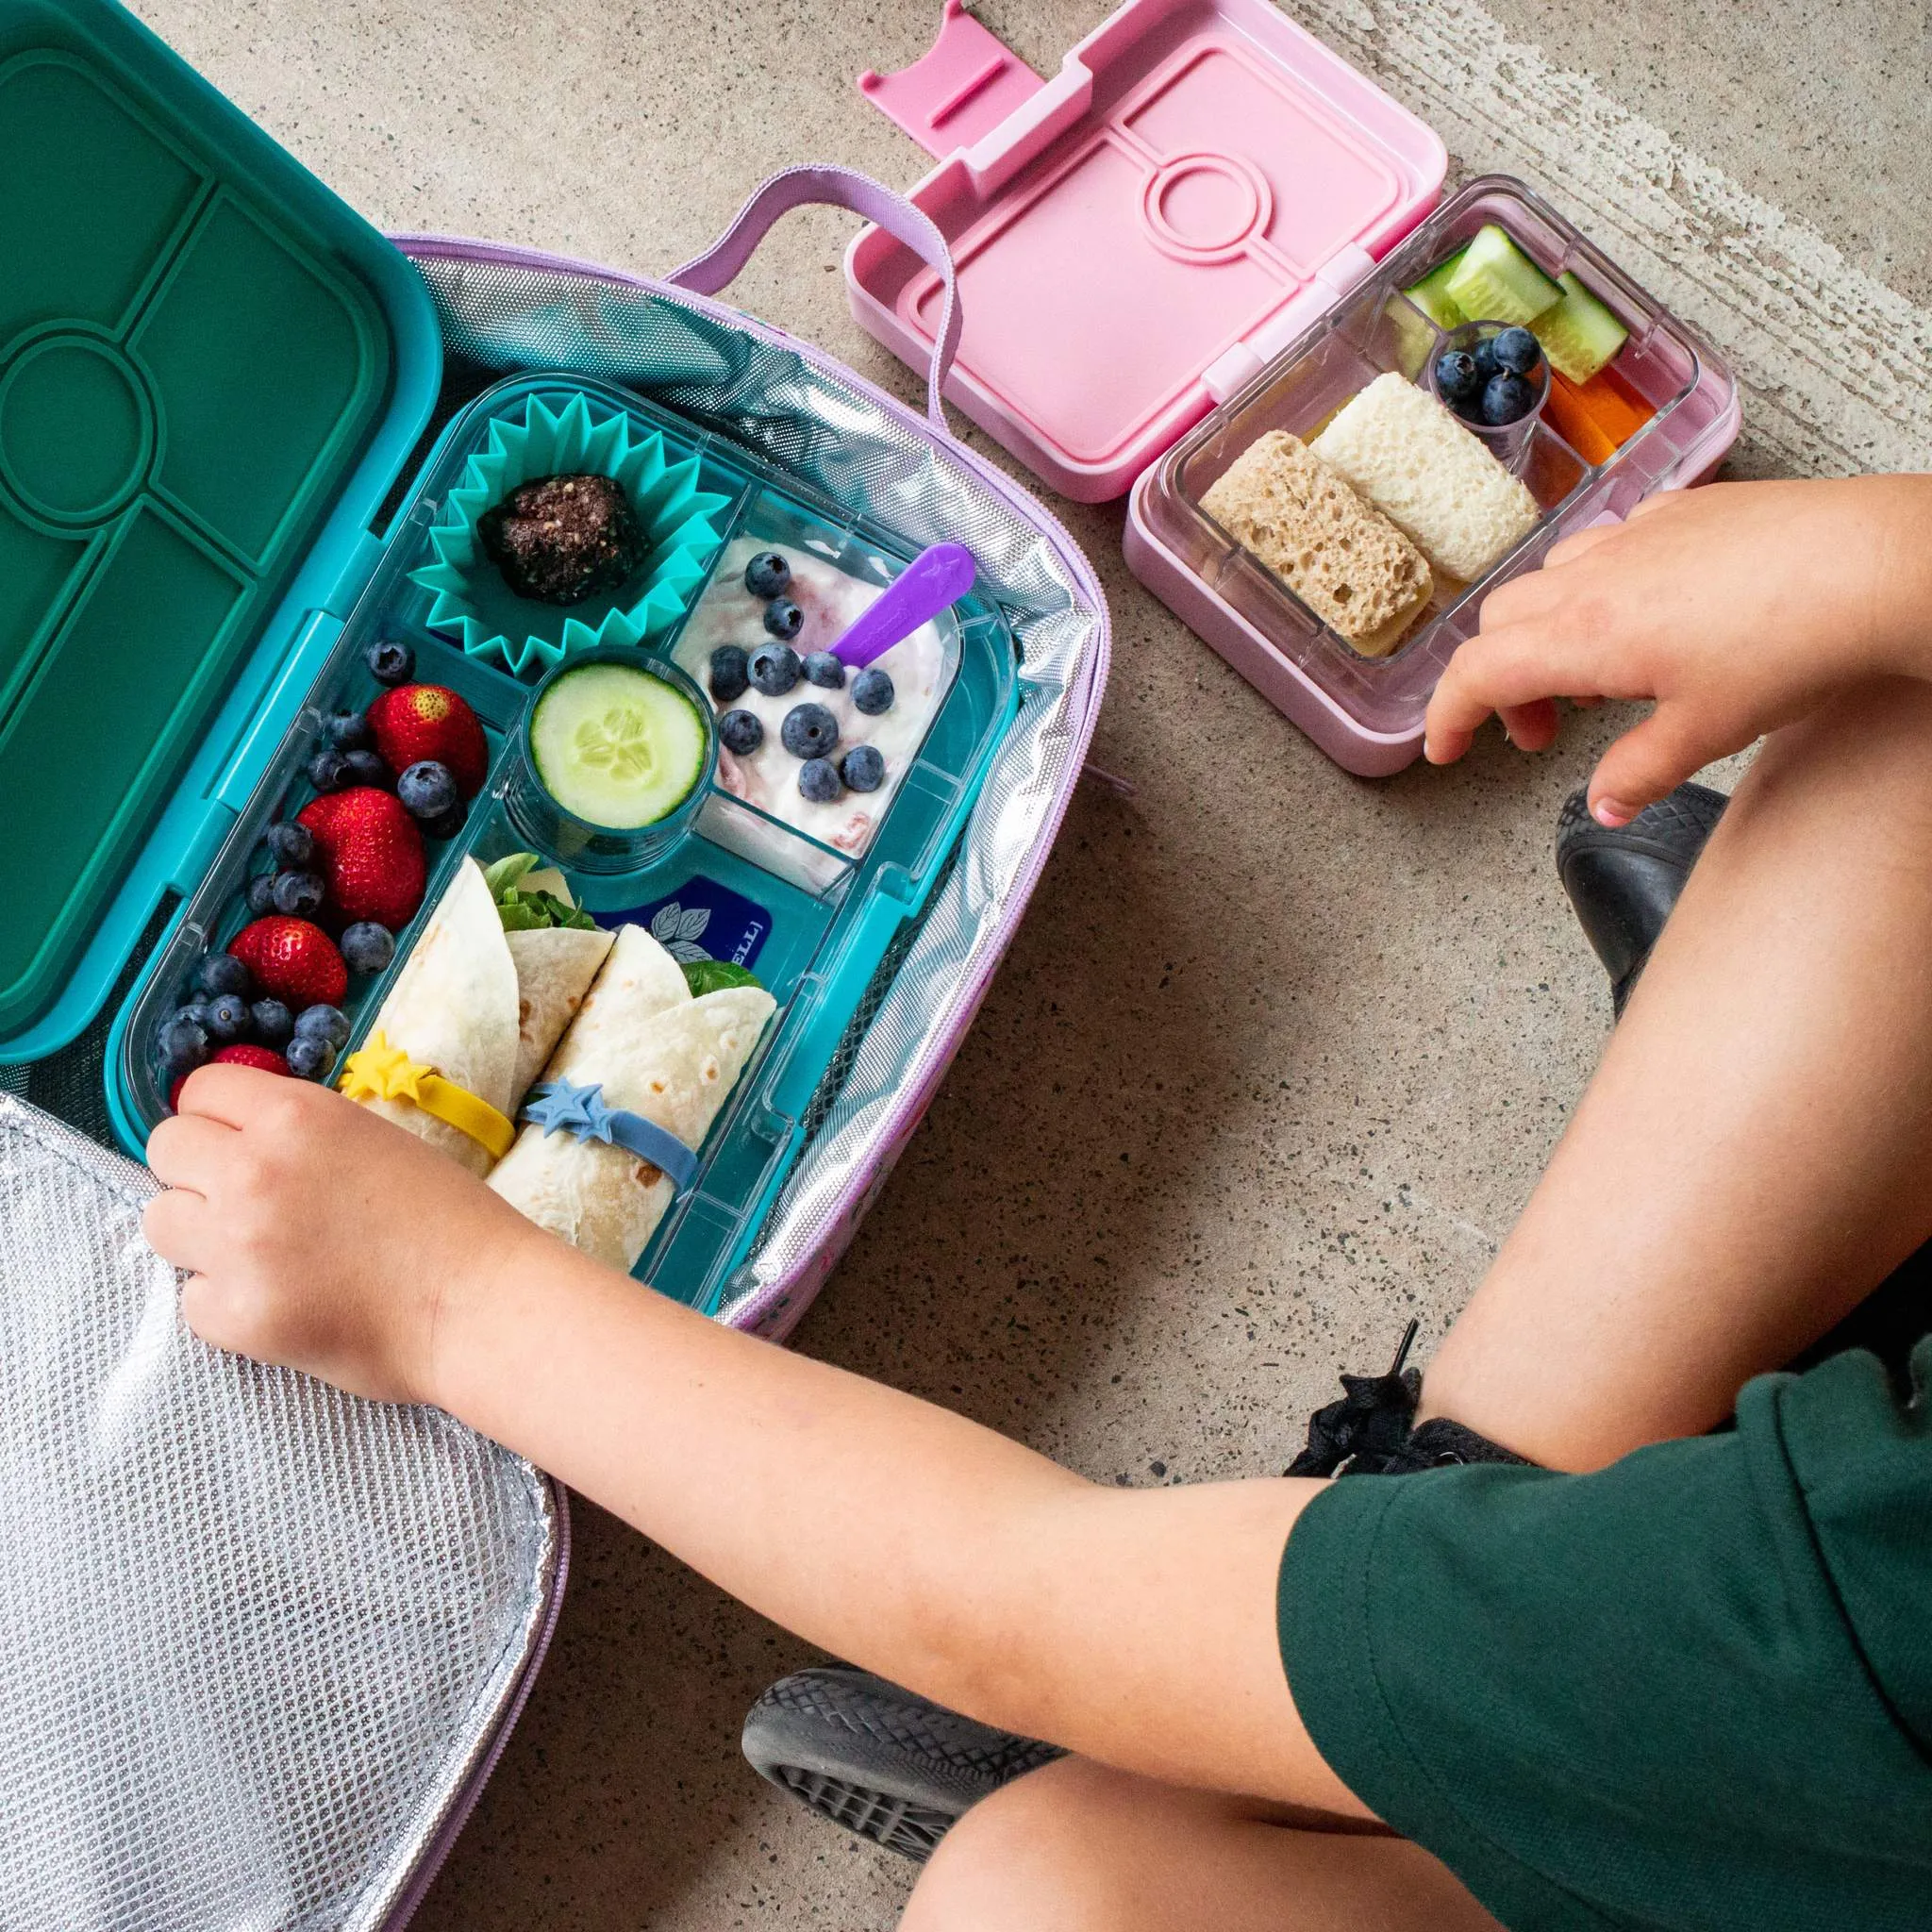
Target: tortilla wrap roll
482 1007
654 1051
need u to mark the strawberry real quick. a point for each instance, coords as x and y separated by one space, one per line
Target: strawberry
370 855
232 1057
292 961
424 721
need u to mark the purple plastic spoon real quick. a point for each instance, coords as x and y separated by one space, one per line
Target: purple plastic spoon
940 574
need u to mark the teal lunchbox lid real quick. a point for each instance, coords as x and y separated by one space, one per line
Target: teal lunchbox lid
211 372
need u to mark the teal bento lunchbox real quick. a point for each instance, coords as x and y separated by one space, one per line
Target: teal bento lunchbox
214 378
266 1641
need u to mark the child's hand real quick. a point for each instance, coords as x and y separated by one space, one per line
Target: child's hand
1739 608
319 1234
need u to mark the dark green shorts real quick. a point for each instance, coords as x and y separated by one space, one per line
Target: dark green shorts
1689 1691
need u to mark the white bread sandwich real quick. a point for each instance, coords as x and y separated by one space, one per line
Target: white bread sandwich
1345 559
1400 448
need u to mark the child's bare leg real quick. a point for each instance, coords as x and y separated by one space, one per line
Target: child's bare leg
1076 1847
1755 1154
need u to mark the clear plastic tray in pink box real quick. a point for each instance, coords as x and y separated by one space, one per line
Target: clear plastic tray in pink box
1206 215
1367 712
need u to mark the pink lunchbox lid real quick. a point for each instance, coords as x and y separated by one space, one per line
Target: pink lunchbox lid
1137 236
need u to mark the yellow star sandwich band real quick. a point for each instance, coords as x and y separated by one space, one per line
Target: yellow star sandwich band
382 1072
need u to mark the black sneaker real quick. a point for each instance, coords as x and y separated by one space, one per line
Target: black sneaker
1624 883
878 1760
1373 1431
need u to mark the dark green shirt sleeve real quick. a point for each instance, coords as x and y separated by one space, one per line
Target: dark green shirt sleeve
1629 1699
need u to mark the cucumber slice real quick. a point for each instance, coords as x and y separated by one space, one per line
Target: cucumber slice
1496 282
1431 294
617 747
1579 334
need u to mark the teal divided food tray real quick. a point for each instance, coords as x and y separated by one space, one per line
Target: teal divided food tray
211 372
813 922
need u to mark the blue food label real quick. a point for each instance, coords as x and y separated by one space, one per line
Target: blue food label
702 920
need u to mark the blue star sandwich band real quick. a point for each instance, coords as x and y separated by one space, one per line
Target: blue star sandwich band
556 1107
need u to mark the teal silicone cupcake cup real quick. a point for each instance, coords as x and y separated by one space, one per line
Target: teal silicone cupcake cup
471 603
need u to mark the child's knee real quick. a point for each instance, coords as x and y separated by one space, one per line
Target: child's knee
1022 1860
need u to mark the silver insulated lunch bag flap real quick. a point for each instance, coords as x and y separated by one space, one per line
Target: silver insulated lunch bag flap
258 1637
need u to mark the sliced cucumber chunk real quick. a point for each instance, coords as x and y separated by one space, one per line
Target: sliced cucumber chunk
1495 281
1579 334
617 747
1431 294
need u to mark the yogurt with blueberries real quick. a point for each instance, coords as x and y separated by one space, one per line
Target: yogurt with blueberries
800 736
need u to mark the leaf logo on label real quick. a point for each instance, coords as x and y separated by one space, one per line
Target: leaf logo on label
677 929
701 910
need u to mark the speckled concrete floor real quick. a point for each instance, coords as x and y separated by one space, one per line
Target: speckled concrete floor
1277 1055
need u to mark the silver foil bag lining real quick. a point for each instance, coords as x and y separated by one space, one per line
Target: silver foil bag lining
815 424
255 1636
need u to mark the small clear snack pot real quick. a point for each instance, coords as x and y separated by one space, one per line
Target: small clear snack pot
1367 712
719 879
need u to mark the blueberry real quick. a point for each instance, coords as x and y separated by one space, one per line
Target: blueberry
298 895
783 618
183 1044
427 788
730 672
290 844
368 947
328 770
775 669
872 693
274 1021
1506 399
864 768
220 972
261 894
826 670
809 731
767 575
366 768
1486 363
1456 376
818 779
446 825
310 1055
323 1023
200 1011
391 661
741 732
349 731
1517 351
228 1017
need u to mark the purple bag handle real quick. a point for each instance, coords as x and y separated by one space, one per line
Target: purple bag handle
714 271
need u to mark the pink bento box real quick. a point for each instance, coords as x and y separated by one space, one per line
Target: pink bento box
1197 230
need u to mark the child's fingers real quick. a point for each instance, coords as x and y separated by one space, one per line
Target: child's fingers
186 1150
1581 545
235 1095
1497 672
220 1315
1648 761
176 1224
1531 727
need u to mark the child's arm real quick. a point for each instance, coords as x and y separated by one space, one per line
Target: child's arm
1739 608
1137 1626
